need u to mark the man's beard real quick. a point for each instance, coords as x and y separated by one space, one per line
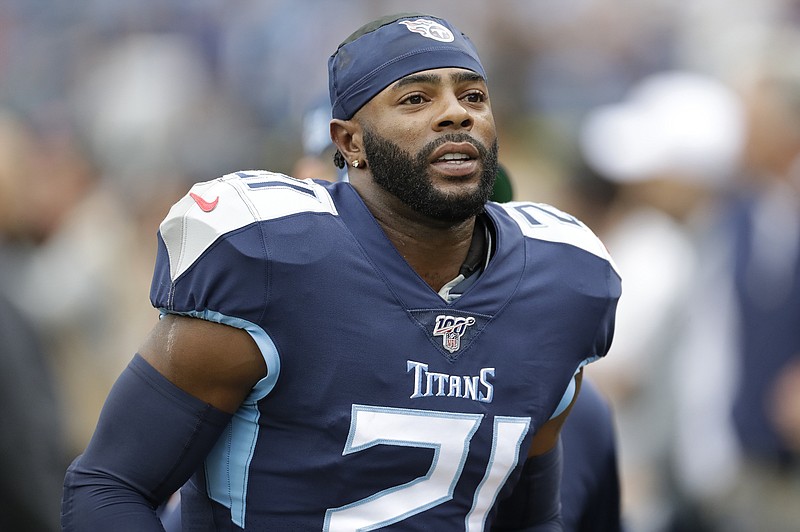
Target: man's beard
406 177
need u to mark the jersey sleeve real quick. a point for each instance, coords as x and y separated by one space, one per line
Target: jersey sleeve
213 259
602 281
212 247
545 222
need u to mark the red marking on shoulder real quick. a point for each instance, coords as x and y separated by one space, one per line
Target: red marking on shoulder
205 206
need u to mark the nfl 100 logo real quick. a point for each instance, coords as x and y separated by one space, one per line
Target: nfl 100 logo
451 329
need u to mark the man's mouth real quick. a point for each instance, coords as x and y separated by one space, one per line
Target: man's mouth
456 164
456 158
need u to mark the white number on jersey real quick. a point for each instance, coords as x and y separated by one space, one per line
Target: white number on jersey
449 435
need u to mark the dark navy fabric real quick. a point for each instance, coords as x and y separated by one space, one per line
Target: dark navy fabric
590 489
769 336
535 504
384 394
130 466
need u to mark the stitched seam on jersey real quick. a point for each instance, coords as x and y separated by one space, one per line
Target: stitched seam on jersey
611 272
68 513
609 269
184 240
247 469
368 258
267 272
240 192
228 466
198 425
181 252
181 248
328 200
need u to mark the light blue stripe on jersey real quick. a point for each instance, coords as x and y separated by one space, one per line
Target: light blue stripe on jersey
228 464
569 394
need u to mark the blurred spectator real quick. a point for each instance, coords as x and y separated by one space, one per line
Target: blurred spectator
316 161
766 281
33 449
70 231
670 150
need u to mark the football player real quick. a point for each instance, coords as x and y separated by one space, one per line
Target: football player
391 351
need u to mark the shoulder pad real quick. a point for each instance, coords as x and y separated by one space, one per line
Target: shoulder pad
545 222
214 208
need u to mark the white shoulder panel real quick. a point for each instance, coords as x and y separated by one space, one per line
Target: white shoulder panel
545 222
214 208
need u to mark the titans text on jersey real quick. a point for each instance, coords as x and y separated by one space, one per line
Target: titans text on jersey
430 383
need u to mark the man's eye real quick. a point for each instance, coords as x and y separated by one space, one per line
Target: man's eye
414 99
475 97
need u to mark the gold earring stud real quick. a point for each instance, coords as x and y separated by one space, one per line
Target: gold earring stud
355 163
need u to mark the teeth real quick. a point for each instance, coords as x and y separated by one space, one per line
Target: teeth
454 157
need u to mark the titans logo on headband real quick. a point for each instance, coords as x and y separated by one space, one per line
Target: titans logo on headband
430 29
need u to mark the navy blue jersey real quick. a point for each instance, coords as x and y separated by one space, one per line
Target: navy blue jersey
383 404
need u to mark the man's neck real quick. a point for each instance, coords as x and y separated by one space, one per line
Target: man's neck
435 253
435 250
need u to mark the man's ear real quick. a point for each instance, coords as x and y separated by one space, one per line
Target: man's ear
346 134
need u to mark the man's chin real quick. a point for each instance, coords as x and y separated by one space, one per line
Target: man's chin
449 185
457 207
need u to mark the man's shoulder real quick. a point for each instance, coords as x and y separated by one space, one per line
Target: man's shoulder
241 198
262 194
223 206
540 221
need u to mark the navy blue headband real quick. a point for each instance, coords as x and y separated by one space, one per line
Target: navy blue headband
364 67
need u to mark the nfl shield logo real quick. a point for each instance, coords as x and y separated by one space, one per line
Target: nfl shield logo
451 329
451 341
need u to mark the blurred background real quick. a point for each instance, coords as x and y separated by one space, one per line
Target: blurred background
670 127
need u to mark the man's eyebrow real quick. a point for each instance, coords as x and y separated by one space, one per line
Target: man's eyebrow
466 76
435 79
411 79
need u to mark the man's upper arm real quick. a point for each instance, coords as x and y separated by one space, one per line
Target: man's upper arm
216 363
160 420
